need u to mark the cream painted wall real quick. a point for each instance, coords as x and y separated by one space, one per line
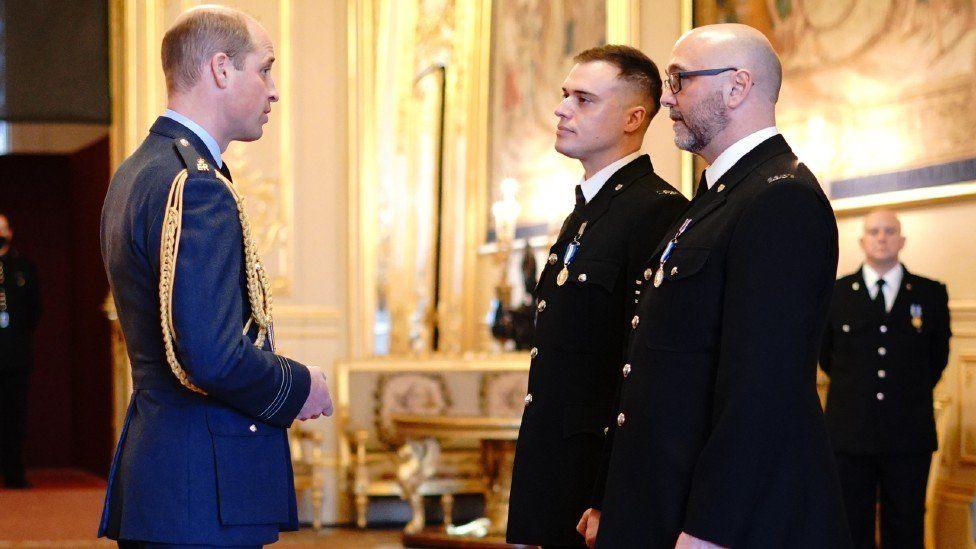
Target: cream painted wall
660 26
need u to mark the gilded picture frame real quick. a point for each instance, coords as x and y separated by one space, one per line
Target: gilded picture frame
876 95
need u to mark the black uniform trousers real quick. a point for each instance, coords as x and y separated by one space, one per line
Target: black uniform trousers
14 375
901 480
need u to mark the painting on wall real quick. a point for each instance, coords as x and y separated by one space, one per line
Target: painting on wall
532 47
877 94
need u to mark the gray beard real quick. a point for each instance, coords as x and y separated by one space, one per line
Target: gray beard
704 121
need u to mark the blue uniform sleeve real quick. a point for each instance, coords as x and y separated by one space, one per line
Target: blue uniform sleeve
208 314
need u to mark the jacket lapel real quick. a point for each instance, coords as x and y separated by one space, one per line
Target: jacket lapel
905 294
714 198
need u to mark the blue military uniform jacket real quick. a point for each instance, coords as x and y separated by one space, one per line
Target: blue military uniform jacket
189 468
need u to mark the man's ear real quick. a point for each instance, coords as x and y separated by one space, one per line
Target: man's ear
741 86
220 65
635 118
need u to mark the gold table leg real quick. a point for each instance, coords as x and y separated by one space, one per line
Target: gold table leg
498 457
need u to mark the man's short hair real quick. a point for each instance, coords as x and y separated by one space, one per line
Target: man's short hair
635 68
199 35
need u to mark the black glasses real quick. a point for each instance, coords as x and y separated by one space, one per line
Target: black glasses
674 78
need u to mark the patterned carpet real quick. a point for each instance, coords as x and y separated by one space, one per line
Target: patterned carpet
63 508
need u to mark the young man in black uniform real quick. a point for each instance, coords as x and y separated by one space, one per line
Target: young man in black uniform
885 348
587 290
718 438
20 311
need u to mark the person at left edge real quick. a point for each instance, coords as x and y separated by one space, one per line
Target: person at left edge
587 291
20 312
200 469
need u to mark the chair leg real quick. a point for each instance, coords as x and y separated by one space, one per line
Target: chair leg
362 504
447 504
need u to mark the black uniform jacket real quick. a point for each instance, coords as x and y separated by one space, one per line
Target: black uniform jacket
883 368
719 432
23 310
580 337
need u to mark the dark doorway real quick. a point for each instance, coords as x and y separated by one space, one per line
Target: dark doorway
54 206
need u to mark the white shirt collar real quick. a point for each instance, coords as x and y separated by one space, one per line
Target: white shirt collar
892 283
593 185
735 152
203 134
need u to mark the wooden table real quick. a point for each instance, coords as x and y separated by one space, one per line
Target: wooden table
419 460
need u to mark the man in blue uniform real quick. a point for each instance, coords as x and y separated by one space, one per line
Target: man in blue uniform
203 458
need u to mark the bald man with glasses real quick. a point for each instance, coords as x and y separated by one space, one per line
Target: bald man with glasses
718 438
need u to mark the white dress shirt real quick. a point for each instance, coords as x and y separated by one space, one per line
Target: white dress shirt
593 185
735 152
203 134
892 282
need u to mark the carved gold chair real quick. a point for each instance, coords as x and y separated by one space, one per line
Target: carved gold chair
378 454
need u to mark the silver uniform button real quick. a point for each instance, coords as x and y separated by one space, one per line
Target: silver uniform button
621 418
639 282
846 328
674 271
553 258
882 351
634 321
648 273
253 428
541 306
528 399
883 328
626 370
581 277
855 286
882 374
606 430
880 396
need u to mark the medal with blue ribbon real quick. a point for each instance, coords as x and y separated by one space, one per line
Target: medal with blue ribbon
568 256
916 312
4 315
659 277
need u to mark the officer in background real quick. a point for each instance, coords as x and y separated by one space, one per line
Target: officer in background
885 348
20 311
203 457
586 292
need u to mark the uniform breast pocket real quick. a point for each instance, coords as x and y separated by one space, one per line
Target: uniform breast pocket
584 304
681 313
251 462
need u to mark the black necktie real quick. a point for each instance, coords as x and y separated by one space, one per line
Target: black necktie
879 299
226 171
580 199
702 186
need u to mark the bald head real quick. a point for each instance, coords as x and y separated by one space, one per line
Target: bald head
739 46
197 35
882 240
